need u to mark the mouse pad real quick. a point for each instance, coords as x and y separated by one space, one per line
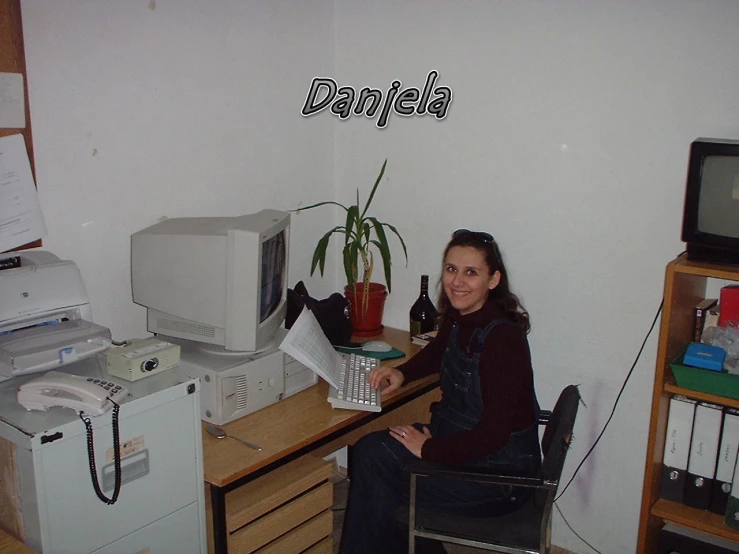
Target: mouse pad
391 355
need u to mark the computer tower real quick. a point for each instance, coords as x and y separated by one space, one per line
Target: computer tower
233 385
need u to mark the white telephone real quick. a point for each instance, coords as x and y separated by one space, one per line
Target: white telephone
82 394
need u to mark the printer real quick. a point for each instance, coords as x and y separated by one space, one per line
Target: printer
45 316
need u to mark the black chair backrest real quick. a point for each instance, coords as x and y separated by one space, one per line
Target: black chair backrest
558 433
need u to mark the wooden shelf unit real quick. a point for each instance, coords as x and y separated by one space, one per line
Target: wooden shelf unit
685 286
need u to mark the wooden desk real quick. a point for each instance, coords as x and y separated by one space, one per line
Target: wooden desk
303 424
10 545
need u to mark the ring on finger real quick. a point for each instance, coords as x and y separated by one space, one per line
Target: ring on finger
402 434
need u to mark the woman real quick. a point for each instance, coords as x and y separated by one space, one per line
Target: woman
487 415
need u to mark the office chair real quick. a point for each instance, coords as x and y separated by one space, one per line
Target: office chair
527 529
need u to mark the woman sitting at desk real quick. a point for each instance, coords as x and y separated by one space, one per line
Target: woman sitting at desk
487 415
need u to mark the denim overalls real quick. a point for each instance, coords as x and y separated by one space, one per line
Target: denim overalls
461 406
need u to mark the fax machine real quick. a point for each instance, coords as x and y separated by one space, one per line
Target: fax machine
45 316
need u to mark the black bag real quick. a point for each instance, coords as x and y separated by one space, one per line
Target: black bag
332 313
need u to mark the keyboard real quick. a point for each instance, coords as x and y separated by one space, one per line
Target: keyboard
353 391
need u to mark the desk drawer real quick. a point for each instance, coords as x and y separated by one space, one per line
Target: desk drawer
326 546
310 535
284 523
286 510
278 487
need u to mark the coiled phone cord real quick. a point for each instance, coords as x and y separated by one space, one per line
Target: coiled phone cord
116 456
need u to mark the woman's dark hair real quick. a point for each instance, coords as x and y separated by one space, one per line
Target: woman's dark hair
501 295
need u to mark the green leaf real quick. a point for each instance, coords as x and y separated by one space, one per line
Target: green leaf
351 221
374 188
319 254
384 249
298 210
402 242
350 263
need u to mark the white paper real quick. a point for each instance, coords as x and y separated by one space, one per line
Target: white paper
21 220
12 101
307 343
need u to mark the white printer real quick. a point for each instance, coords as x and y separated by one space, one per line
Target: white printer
45 316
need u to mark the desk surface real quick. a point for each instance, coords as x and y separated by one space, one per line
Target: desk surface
9 545
295 423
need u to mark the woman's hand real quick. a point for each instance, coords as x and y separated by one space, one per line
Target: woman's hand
410 437
394 377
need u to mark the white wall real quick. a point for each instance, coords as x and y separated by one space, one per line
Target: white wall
149 109
567 138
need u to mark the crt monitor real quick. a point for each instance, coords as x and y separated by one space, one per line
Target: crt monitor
711 212
215 280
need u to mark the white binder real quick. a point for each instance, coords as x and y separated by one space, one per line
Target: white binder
677 447
703 454
727 454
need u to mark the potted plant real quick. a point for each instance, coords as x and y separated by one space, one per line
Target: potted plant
361 232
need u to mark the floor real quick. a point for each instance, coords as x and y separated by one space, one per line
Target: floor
341 489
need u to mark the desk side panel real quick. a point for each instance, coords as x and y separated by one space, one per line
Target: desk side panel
10 507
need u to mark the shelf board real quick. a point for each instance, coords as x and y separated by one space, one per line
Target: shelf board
712 398
706 269
701 520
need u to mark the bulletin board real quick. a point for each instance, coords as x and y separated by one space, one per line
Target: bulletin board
13 60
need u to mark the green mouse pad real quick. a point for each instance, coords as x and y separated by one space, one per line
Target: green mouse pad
391 355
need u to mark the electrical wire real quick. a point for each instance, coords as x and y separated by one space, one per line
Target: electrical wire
618 397
613 411
567 523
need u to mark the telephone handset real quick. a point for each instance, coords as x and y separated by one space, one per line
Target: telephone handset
82 394
88 396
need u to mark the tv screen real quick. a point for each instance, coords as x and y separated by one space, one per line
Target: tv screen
719 196
711 212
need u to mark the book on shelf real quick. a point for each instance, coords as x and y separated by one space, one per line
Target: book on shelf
712 317
699 316
422 339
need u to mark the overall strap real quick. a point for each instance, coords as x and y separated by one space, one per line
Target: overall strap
480 335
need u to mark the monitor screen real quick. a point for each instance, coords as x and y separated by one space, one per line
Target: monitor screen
274 264
220 281
718 201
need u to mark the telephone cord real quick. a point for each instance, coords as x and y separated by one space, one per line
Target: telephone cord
116 456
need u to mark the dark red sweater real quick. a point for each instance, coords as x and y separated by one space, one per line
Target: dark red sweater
506 381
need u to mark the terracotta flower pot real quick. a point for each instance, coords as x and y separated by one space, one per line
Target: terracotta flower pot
369 323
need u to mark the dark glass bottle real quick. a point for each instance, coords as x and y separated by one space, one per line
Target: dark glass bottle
423 314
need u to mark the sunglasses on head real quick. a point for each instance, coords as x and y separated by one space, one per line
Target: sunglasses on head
479 235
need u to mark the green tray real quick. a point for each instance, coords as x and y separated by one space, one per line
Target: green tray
720 383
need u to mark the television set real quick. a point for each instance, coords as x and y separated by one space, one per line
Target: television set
219 281
711 212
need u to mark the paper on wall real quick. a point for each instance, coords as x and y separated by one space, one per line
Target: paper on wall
21 220
12 101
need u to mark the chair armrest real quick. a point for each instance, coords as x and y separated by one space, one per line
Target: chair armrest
481 475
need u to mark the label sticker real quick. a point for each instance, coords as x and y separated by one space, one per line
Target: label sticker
127 448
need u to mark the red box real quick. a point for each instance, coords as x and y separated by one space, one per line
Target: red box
729 306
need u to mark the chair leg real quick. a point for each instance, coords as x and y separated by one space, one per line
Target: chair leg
412 516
